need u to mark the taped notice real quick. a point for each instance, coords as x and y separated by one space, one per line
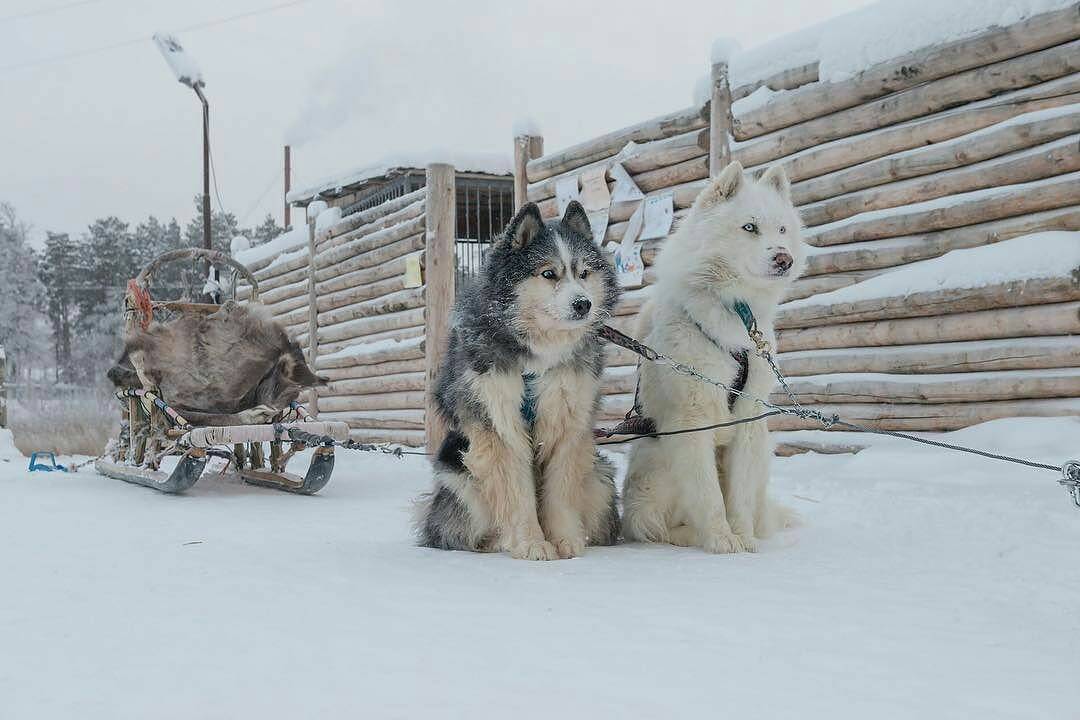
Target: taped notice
566 190
413 276
625 190
596 200
629 267
659 214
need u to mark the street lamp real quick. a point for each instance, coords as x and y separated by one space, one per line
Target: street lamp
188 73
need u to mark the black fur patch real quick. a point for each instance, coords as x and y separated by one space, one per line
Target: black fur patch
446 522
453 447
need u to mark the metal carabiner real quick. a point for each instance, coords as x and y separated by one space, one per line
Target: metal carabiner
1070 479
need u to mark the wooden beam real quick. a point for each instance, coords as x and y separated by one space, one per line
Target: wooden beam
438 285
526 148
720 120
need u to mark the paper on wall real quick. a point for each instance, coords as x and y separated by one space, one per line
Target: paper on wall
629 267
625 190
566 190
659 213
413 275
596 199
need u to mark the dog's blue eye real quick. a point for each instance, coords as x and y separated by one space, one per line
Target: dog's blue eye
783 229
548 274
750 227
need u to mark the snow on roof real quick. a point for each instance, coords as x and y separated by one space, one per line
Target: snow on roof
285 241
1039 255
490 163
879 32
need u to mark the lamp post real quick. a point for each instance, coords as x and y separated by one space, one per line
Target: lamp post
188 73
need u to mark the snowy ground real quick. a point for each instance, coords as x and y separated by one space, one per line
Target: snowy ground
922 584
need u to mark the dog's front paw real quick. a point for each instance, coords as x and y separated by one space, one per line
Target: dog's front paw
722 542
533 550
745 543
569 547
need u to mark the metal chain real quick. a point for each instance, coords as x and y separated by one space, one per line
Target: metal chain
312 440
1070 470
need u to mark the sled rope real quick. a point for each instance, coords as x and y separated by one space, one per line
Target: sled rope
1070 471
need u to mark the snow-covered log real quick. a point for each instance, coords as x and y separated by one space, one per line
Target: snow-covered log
405 313
692 118
923 65
969 86
1014 322
372 215
950 357
1054 158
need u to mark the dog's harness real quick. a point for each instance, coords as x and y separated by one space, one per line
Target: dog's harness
635 423
740 355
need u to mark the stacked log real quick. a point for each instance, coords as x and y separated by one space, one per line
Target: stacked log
366 317
957 146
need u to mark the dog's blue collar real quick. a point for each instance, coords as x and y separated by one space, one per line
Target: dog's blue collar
528 398
742 309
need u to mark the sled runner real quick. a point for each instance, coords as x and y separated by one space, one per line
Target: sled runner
254 439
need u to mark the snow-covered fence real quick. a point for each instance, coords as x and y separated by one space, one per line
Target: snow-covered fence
906 173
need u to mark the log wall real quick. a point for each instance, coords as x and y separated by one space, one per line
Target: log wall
345 296
950 147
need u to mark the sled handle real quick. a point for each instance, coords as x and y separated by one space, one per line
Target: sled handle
214 257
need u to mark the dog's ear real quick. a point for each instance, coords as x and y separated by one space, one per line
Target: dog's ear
577 220
723 186
525 226
777 179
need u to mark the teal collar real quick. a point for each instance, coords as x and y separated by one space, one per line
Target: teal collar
528 398
742 309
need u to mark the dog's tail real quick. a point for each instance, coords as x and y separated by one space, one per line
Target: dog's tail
775 517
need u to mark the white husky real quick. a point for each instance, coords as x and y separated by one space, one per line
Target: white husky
739 244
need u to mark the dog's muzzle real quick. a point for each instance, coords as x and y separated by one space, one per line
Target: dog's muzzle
782 262
581 307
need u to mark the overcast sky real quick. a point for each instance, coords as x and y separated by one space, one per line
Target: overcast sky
350 82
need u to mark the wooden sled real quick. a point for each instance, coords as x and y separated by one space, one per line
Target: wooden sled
151 430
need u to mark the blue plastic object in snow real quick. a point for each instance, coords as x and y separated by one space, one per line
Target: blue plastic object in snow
51 466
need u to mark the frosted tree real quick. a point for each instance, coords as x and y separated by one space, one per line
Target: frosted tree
58 272
21 292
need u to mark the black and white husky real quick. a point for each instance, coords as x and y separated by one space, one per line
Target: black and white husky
518 471
738 248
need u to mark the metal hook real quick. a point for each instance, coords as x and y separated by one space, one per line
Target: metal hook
1070 479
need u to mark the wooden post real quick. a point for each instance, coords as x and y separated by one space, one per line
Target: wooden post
719 120
313 313
438 286
526 148
288 185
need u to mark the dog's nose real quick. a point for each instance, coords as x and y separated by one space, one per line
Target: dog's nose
581 306
783 261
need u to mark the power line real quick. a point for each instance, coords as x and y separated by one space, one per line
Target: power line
46 11
262 195
63 57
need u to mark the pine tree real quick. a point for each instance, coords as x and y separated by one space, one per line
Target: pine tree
223 227
58 272
265 231
21 293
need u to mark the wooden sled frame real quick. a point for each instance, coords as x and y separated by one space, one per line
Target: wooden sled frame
152 430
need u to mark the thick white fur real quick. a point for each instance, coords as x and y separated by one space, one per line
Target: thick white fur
710 489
